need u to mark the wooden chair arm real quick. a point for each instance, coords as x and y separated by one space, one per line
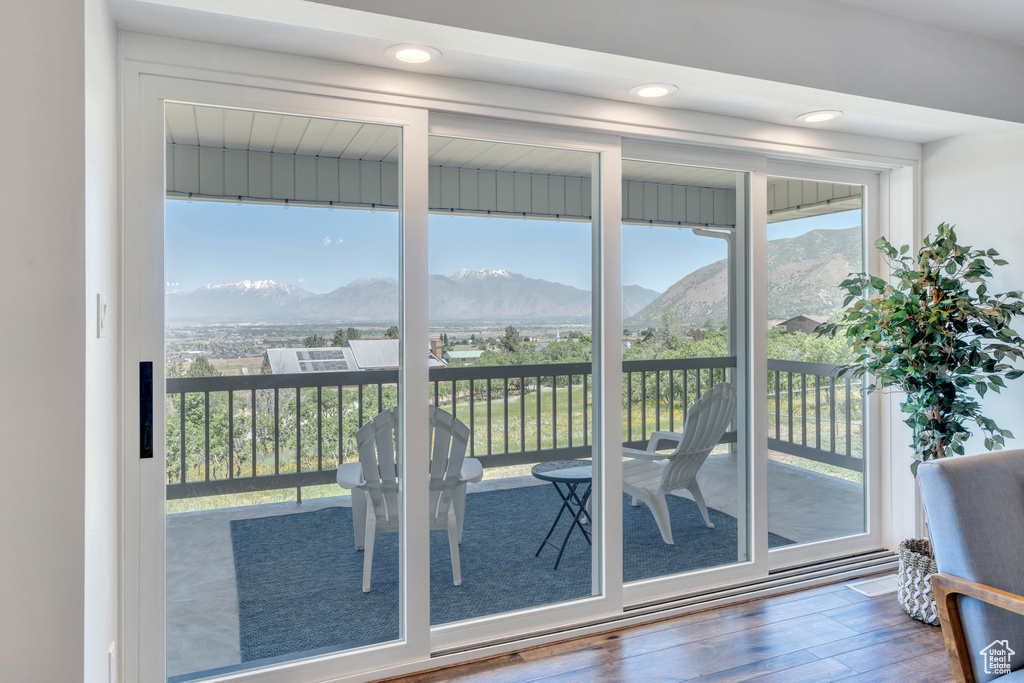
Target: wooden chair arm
946 588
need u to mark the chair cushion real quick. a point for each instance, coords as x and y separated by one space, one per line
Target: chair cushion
975 509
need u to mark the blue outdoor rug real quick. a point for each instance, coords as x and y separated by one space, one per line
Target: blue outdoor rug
299 576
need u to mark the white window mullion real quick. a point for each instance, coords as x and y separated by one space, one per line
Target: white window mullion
756 357
414 378
607 274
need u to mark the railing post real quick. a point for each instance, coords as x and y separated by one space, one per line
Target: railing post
569 412
181 438
231 435
522 413
789 392
803 408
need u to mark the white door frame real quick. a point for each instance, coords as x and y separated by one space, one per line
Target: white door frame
606 600
873 228
144 485
751 372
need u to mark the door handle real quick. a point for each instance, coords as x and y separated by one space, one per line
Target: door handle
146 409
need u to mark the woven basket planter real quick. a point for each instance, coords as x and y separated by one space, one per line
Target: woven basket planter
915 581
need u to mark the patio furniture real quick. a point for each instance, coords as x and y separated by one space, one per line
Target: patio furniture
566 476
374 482
648 475
976 523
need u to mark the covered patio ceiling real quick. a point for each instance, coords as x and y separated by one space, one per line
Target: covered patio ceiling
234 155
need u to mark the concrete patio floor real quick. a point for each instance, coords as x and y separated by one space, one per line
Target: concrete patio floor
202 604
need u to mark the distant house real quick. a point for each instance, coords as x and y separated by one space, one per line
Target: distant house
290 361
803 323
360 354
382 354
464 357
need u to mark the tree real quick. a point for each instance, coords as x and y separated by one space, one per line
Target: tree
510 341
339 338
352 333
392 332
934 332
201 367
314 341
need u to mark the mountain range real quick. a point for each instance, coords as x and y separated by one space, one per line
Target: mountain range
466 295
804 273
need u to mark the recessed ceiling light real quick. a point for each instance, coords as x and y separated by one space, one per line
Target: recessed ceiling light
653 90
819 116
412 54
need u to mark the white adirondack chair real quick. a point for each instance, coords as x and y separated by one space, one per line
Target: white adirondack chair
374 482
648 475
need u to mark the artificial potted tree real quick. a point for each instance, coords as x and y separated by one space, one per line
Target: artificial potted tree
934 332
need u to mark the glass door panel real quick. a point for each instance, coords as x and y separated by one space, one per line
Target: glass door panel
816 237
511 301
685 471
282 303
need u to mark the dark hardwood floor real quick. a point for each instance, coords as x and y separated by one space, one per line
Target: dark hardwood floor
828 633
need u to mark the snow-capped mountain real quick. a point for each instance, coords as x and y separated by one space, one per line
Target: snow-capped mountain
466 295
267 289
468 275
233 301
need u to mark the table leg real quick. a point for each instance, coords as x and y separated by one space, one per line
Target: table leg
580 510
565 504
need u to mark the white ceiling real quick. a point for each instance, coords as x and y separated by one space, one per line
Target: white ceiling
340 34
1002 19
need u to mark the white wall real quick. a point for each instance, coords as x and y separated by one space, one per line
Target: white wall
42 402
974 182
102 275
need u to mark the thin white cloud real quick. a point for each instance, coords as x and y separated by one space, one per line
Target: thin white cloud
339 241
327 240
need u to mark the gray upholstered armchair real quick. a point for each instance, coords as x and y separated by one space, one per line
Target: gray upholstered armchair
975 508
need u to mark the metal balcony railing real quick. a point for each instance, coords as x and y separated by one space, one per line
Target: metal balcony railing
260 432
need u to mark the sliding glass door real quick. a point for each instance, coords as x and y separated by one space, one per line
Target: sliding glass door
822 468
281 308
686 472
511 333
421 383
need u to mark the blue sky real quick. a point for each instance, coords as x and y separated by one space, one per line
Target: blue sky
320 250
